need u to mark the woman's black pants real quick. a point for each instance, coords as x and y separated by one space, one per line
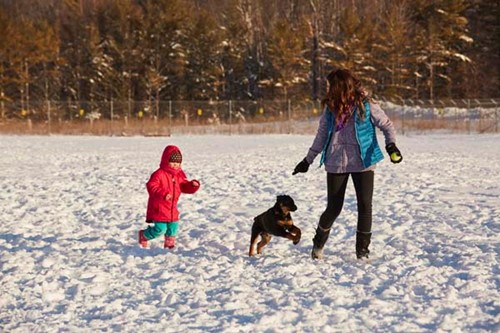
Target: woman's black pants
336 184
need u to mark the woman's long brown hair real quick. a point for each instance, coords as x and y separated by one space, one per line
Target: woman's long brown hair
344 91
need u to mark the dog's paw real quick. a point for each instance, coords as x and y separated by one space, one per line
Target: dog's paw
296 239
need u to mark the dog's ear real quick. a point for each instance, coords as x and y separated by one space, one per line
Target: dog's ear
290 203
278 203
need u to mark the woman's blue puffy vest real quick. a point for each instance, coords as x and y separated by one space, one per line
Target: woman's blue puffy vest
365 134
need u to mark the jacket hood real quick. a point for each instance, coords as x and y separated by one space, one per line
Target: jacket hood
167 152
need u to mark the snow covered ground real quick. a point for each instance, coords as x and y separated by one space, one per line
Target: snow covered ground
70 209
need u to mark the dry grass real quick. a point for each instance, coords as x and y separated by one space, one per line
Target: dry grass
151 127
462 126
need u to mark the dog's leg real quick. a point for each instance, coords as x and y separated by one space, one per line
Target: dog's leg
266 238
251 251
295 233
253 241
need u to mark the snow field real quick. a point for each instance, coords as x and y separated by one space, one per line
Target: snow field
70 208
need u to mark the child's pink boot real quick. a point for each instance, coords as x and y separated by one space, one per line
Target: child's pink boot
169 242
143 241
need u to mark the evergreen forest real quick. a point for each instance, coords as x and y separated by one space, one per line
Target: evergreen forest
212 50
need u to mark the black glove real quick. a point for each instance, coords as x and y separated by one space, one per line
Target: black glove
394 153
303 166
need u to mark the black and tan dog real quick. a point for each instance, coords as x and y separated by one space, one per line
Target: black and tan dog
276 221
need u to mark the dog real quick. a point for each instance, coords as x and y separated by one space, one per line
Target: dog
276 221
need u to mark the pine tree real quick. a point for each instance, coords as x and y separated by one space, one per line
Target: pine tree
163 48
203 71
483 78
440 32
286 49
392 52
233 50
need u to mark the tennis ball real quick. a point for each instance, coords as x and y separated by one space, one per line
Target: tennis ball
395 157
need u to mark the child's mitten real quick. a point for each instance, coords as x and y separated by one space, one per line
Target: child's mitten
394 153
303 166
190 186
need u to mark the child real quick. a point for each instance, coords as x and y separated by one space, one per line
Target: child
164 187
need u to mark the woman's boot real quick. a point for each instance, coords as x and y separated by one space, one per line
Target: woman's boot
362 243
319 241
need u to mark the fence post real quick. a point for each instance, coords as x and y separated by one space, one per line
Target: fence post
230 117
496 115
455 107
48 115
468 116
170 117
421 105
111 116
433 110
157 104
403 117
289 116
480 129
2 105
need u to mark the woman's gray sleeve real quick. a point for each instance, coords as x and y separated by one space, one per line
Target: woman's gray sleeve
319 140
382 121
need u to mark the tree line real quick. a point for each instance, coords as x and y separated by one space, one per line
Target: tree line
152 50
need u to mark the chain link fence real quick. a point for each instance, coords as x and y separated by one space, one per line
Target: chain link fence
456 115
227 117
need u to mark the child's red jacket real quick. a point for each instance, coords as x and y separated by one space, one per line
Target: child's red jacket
166 180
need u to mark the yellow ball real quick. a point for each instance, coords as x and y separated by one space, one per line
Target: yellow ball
395 157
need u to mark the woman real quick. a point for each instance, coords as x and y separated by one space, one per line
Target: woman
347 139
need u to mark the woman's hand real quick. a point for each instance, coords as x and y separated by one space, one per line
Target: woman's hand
394 153
302 167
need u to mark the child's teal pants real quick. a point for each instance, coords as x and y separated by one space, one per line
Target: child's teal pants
161 228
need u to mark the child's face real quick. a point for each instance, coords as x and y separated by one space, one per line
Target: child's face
174 165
